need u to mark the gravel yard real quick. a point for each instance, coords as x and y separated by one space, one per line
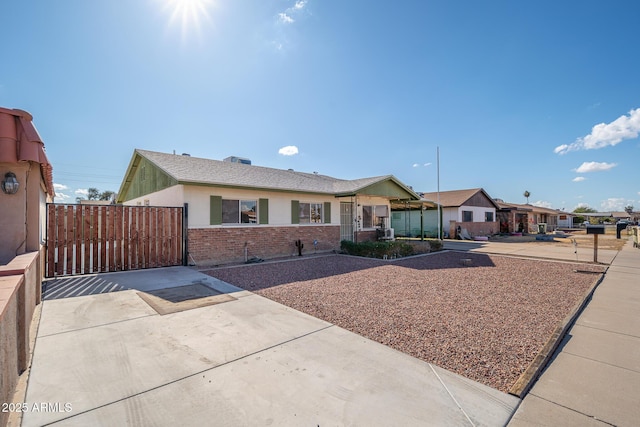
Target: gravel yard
486 321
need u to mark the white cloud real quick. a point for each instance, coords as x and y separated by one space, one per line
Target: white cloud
59 187
289 150
543 204
606 134
81 192
427 164
613 204
290 17
290 14
415 165
578 179
587 167
62 196
285 19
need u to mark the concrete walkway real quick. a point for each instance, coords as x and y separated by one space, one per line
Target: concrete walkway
594 377
239 360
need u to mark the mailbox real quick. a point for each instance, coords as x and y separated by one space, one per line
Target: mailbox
595 229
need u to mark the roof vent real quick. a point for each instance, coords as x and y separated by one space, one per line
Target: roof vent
235 159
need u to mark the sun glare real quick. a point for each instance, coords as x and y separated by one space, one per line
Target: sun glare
188 14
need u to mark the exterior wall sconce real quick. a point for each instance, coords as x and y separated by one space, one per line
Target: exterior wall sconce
10 184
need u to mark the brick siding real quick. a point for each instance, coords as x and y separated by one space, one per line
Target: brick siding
222 245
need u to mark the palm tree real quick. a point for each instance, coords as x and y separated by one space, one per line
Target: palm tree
527 194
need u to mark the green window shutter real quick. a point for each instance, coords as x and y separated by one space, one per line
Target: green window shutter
263 211
327 212
295 212
215 210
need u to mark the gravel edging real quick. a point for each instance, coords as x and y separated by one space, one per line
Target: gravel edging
487 321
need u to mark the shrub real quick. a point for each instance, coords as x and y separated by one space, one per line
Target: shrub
394 249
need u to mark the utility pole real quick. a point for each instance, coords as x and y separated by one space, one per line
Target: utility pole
438 194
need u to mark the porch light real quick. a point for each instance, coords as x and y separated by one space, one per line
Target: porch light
10 184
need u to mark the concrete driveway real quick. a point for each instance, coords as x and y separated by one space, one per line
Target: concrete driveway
229 358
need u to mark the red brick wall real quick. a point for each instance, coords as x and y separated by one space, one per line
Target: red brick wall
213 246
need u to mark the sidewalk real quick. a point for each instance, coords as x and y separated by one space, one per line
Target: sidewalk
594 377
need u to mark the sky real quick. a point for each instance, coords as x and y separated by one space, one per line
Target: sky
539 96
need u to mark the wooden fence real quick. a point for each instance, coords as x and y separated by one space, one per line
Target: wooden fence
83 239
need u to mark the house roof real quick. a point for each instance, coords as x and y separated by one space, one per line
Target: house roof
456 198
20 142
533 208
199 171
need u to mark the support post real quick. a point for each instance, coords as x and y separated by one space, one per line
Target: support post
595 248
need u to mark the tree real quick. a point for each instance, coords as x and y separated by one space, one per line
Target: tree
628 209
106 195
527 194
95 194
584 209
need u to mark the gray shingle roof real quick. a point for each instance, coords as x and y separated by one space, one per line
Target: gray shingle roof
195 170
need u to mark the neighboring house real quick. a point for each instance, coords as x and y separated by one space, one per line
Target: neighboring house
527 218
470 209
238 211
621 216
513 218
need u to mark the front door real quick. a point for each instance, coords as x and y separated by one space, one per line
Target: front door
346 221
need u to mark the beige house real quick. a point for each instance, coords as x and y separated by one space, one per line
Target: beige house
26 187
238 210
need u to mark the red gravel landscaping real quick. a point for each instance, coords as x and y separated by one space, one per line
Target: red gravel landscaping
486 321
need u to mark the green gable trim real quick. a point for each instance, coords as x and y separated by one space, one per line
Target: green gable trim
215 210
295 212
263 211
327 213
144 177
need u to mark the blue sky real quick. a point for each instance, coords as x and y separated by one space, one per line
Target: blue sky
541 96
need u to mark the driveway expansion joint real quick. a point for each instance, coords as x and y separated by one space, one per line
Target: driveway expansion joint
98 326
593 417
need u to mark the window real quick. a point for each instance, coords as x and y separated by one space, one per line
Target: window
233 211
467 216
310 213
239 211
488 216
374 216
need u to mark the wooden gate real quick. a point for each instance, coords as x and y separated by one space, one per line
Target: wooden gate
83 239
